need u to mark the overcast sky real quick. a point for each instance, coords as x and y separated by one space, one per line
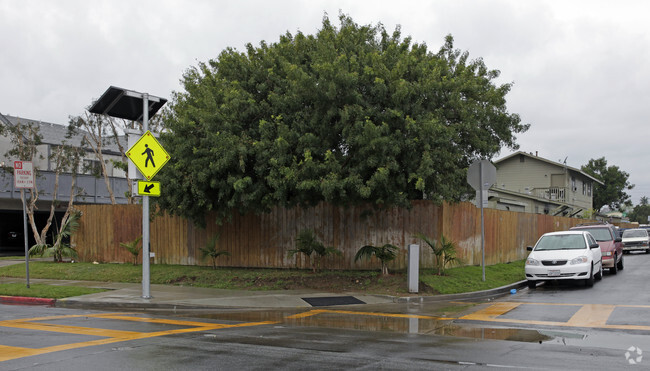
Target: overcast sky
581 69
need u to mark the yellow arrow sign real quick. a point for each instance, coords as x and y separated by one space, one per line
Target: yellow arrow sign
149 188
148 155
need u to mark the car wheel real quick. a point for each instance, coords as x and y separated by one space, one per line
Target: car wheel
599 275
589 282
620 264
614 268
532 284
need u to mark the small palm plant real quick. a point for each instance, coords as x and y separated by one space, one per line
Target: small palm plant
210 250
323 252
385 254
444 251
61 248
134 248
304 245
307 244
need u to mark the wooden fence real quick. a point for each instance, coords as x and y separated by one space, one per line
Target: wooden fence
265 240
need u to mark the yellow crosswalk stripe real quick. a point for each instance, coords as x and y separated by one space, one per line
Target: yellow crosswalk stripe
107 336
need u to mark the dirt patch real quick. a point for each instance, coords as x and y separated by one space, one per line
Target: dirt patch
182 280
372 283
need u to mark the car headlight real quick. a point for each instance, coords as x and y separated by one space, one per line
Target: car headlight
531 261
579 260
607 253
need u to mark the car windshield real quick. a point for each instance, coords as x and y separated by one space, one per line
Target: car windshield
635 233
561 242
600 234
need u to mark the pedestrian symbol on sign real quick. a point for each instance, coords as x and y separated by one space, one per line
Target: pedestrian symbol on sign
149 152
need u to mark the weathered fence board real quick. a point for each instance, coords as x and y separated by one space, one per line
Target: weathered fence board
265 240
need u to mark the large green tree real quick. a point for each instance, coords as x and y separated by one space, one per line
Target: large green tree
349 115
640 213
615 180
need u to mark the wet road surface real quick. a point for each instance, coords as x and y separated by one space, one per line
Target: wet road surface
551 327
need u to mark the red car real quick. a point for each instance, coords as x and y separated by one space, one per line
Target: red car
610 243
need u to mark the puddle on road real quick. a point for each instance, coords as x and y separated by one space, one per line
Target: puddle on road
377 322
488 333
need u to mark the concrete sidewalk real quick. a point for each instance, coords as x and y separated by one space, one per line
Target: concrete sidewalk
129 295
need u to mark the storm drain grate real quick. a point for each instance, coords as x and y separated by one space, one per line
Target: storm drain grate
332 300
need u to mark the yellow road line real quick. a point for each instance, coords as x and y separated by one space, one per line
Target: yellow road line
109 336
149 320
67 329
589 315
492 311
49 318
377 314
17 352
307 314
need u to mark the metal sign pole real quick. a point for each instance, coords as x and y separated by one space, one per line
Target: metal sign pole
122 103
480 176
145 211
22 196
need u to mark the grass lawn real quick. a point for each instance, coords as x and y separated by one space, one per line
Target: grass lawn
465 279
44 291
455 280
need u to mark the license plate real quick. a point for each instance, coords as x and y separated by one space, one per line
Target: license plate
554 273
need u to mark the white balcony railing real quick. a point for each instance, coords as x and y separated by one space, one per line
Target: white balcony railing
551 193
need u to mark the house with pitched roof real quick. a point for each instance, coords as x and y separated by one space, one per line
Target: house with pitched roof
529 183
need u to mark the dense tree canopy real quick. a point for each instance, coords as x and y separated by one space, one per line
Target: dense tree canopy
615 180
350 115
640 213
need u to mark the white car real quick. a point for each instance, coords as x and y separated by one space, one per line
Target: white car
568 255
636 239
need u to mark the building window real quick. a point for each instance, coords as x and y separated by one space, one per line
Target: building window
589 189
584 189
92 167
573 184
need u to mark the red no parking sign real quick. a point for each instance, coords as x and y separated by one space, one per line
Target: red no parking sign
23 174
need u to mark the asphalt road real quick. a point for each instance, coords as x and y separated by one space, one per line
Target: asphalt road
552 327
39 338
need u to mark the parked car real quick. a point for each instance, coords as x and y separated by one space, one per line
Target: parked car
636 239
610 243
566 255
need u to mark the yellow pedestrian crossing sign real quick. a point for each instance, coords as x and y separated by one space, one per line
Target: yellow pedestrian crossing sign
148 155
148 188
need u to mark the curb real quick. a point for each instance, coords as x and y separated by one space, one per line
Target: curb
499 291
26 300
72 303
